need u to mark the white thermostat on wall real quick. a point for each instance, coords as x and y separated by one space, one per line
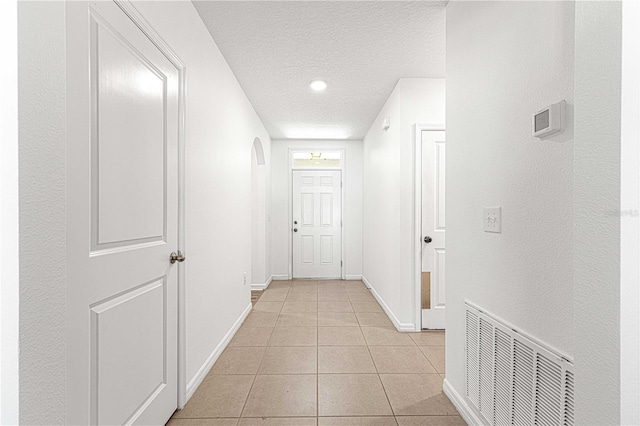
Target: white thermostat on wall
549 120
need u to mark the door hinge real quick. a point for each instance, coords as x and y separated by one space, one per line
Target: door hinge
340 184
341 263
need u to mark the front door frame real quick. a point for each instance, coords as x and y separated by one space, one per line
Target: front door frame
343 186
417 217
137 18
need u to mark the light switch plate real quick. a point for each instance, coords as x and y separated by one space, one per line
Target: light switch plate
492 219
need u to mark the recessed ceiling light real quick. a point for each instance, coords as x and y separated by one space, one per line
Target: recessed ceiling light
318 85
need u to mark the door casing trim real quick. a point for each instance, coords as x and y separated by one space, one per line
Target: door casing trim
417 217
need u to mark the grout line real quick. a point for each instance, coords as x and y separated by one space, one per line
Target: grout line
312 417
378 374
428 360
248 395
321 374
270 335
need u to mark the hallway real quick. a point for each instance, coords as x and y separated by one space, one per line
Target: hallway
323 352
467 167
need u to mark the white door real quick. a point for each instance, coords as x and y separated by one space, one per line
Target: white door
122 193
316 227
433 229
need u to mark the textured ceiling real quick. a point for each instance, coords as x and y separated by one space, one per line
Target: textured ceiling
360 48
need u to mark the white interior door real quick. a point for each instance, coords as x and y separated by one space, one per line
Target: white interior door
317 223
122 155
433 229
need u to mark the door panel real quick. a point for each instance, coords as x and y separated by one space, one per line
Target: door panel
307 211
326 180
317 233
439 185
326 210
129 335
122 192
307 249
438 300
130 204
326 249
433 226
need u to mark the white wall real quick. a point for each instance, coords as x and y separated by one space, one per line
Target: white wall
220 128
630 218
221 125
9 263
505 61
42 183
388 238
280 226
597 219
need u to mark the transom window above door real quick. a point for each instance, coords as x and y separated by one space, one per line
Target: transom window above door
317 160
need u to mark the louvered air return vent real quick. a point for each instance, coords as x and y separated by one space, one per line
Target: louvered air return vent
568 398
513 379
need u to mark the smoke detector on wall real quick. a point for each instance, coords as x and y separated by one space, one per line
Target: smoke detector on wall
386 123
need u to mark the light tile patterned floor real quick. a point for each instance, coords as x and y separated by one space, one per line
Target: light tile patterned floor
323 353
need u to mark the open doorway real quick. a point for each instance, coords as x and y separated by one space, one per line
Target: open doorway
259 278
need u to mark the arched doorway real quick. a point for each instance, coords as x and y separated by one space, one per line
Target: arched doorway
258 216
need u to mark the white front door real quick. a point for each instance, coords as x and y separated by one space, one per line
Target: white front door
317 223
433 229
122 193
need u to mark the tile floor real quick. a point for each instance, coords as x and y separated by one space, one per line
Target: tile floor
323 353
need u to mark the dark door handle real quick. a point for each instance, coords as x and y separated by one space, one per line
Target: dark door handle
428 239
295 229
176 257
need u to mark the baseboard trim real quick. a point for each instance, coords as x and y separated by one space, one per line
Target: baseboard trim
279 277
353 277
262 286
206 367
461 405
400 326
